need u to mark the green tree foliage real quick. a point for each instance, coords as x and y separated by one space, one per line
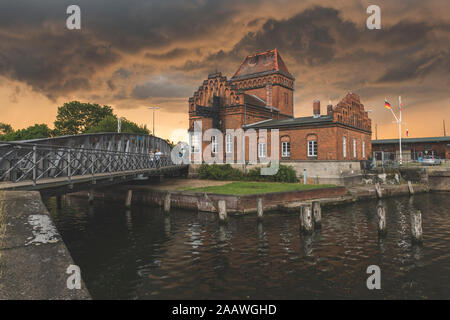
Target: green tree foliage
109 124
76 117
37 131
5 128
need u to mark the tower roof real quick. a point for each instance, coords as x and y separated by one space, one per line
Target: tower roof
262 63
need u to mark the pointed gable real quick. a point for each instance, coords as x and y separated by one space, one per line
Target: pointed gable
262 63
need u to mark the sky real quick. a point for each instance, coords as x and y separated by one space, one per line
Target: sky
132 54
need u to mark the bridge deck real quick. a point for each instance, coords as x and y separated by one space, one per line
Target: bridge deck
64 181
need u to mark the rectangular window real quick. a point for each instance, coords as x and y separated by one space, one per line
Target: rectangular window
214 145
312 148
229 143
285 149
195 143
344 146
364 149
262 150
354 148
286 98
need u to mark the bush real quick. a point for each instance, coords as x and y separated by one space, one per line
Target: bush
227 172
219 172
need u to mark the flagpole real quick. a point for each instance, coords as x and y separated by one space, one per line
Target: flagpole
400 128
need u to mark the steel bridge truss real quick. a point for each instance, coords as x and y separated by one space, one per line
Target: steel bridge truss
34 162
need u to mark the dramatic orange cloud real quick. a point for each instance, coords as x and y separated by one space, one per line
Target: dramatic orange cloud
134 54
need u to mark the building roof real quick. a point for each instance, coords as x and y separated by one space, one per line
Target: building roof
266 62
291 122
412 140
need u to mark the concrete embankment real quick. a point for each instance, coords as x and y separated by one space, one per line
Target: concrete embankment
156 195
33 257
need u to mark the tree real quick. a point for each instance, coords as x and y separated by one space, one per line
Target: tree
76 117
5 128
37 131
109 124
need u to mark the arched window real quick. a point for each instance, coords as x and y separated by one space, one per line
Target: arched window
344 146
285 147
262 148
312 145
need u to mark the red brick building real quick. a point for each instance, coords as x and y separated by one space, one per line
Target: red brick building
260 95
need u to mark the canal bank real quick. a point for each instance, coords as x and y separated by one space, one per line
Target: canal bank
33 257
174 191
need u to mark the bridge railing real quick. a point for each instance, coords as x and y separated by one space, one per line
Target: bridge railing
25 161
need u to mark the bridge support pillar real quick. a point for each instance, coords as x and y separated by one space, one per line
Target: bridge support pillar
416 226
317 214
260 208
410 188
129 198
306 219
378 190
222 208
91 196
167 202
381 214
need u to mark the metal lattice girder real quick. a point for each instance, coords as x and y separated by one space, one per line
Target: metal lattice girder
35 161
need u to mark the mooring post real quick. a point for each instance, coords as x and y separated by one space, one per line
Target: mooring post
378 190
222 206
128 199
306 219
410 188
381 214
317 214
91 196
167 203
416 225
260 208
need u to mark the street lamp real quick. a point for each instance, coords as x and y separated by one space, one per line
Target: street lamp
154 108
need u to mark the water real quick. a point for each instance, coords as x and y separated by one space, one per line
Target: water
143 254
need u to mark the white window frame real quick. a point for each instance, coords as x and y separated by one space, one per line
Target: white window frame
363 149
195 143
344 146
354 148
214 145
284 149
312 148
262 151
228 143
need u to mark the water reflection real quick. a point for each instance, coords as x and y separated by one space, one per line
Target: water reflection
143 253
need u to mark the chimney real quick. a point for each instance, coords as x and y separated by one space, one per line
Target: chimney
269 95
329 108
316 108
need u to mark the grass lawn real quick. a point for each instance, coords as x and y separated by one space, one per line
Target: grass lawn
245 188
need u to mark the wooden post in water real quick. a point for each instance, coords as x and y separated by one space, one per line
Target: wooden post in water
91 196
222 206
167 202
381 214
306 219
128 199
378 190
260 208
317 214
416 225
410 188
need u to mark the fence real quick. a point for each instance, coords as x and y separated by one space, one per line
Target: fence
29 161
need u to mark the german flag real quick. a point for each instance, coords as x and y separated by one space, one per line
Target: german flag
387 105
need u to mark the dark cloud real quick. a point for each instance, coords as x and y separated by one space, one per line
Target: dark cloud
54 63
161 87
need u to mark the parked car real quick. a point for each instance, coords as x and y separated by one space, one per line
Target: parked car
431 161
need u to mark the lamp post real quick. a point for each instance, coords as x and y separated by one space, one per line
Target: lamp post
154 108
